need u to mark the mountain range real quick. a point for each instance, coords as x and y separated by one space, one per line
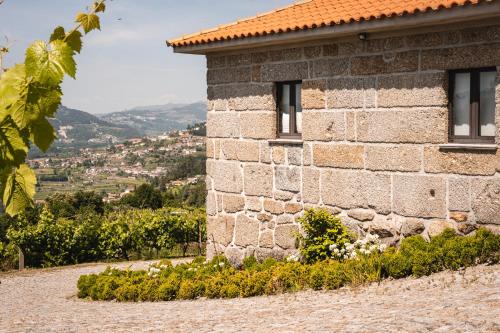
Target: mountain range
78 129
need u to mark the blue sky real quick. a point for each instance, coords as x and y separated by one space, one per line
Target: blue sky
127 63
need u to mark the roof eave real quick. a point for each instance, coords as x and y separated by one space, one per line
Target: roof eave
484 10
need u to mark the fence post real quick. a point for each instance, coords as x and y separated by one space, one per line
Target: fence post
21 259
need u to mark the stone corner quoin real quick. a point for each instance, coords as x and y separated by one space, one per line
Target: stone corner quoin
374 114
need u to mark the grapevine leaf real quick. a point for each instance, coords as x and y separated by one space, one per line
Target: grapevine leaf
17 189
49 65
13 86
42 133
43 101
13 146
89 22
58 34
99 7
74 40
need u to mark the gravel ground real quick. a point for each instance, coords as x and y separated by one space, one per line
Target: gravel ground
44 301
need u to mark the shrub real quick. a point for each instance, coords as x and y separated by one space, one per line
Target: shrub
321 230
217 279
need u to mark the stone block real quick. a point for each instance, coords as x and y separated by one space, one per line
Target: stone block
227 176
220 229
285 235
283 195
266 239
278 154
312 52
424 40
436 227
265 152
350 92
350 48
361 214
412 226
486 200
293 207
461 57
330 50
216 95
393 158
323 125
459 194
223 124
460 162
210 146
384 44
258 180
327 67
483 34
235 60
241 150
216 61
356 189
251 96
235 255
310 185
382 226
412 90
403 126
285 71
229 75
307 152
256 73
294 155
350 125
349 156
313 94
258 125
386 63
246 231
253 203
260 57
466 228
288 178
233 203
211 203
459 216
419 196
274 207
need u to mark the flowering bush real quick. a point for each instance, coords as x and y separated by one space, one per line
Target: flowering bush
321 230
363 261
366 246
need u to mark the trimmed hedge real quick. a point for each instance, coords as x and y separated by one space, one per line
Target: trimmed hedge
217 279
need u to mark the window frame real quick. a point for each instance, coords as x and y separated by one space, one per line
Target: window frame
474 107
292 110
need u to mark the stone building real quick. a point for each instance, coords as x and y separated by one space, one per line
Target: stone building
386 112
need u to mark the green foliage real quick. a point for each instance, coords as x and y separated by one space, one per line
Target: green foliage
78 233
30 94
145 196
321 229
217 279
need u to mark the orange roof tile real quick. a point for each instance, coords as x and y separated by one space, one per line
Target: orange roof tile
311 14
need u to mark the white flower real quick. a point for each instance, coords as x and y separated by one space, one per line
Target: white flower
221 264
382 247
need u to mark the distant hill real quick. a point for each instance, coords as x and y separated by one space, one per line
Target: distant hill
158 119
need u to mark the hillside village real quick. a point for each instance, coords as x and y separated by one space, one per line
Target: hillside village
116 169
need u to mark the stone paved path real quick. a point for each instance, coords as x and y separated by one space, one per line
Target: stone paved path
44 301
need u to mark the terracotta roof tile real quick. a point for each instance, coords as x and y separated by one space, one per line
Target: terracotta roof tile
310 14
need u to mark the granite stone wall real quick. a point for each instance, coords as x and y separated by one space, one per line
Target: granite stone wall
374 116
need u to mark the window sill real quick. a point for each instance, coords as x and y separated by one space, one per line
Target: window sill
282 141
469 146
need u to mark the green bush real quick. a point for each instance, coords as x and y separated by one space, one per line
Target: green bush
217 279
50 241
321 229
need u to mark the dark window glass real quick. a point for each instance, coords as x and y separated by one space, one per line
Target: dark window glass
289 109
472 100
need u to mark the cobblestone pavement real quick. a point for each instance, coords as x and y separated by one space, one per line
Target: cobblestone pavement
45 301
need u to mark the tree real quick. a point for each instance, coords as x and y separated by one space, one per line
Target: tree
145 196
30 93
